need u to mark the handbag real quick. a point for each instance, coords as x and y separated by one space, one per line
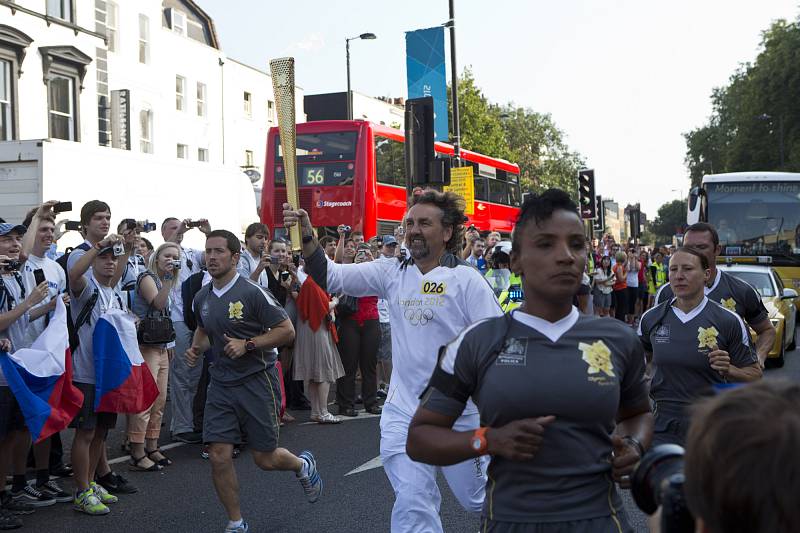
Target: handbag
348 305
154 329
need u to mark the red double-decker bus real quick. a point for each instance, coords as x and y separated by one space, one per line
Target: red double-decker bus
352 172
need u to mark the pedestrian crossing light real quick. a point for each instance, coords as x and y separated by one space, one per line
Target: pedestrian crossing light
586 196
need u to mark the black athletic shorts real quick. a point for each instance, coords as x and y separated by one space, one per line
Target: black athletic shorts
11 418
87 418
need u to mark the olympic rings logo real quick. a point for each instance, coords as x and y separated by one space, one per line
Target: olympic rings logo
419 317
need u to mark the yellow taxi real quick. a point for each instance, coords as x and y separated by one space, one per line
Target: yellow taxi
778 300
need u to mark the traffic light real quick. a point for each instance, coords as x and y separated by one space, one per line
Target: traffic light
422 166
586 196
600 220
635 221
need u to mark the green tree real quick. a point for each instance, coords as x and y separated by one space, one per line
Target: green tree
670 219
756 117
530 139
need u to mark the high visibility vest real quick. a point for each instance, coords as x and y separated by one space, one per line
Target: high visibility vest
661 278
512 297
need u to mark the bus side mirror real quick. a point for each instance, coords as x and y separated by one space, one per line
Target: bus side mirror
693 207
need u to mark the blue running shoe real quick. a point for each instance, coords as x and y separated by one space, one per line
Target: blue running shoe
241 528
309 477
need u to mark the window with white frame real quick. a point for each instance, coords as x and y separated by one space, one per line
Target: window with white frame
62 9
183 151
178 22
248 104
249 159
6 100
146 131
180 92
144 39
111 26
61 106
270 111
201 99
202 154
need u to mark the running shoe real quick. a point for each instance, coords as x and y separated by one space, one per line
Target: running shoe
204 453
116 484
13 506
309 477
105 496
242 528
9 521
33 497
88 502
54 489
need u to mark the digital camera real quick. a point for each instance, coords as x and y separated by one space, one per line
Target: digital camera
194 224
119 249
145 226
347 229
658 482
12 265
176 264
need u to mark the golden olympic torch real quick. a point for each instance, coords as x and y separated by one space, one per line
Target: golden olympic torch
282 71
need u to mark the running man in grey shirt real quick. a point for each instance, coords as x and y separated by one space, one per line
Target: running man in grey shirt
242 324
562 398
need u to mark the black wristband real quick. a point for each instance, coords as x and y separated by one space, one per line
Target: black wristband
307 239
635 443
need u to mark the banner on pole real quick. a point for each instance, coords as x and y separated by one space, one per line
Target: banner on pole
425 70
461 183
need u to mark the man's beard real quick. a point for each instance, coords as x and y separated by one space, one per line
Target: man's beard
419 250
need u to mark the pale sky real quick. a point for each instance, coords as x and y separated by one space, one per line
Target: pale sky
623 79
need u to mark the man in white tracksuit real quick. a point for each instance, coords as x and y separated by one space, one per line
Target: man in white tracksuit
432 296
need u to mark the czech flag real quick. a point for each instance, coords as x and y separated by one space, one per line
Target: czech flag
41 379
123 383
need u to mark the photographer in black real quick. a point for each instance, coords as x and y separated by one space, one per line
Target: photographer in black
740 472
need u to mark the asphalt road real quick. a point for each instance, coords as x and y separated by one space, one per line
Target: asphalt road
357 496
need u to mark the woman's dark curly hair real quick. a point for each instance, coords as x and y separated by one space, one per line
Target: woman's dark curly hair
452 207
538 208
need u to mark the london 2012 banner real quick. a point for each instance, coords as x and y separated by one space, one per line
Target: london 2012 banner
425 69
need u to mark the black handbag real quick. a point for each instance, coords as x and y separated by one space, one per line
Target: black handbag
348 305
155 329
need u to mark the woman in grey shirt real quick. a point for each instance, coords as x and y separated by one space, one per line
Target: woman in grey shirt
153 299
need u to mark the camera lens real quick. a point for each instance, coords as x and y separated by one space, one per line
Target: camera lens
657 465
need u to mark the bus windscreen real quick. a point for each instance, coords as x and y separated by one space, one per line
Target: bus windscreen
322 159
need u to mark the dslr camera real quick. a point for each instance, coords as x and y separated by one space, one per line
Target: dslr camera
12 265
145 226
658 482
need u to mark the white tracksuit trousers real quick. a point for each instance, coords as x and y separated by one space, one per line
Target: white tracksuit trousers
417 497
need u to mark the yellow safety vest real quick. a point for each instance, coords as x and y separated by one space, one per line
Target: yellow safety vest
512 297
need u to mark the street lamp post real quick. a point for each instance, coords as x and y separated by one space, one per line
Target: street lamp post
366 36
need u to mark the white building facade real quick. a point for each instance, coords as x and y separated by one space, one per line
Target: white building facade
147 76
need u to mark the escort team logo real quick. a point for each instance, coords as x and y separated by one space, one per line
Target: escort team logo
729 304
598 357
707 338
513 353
662 334
235 310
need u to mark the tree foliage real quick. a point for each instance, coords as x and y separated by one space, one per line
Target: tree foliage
755 114
671 218
530 139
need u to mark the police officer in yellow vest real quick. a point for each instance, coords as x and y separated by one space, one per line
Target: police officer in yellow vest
656 277
507 286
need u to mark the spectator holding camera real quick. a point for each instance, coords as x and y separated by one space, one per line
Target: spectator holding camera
155 332
183 379
92 281
134 262
255 258
693 343
470 236
359 336
476 258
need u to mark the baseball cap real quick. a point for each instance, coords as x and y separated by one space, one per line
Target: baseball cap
388 240
7 227
106 250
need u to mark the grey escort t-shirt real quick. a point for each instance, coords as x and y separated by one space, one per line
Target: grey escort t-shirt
581 369
680 343
242 310
731 293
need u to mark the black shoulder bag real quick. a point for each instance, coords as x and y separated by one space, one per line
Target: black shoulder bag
154 328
